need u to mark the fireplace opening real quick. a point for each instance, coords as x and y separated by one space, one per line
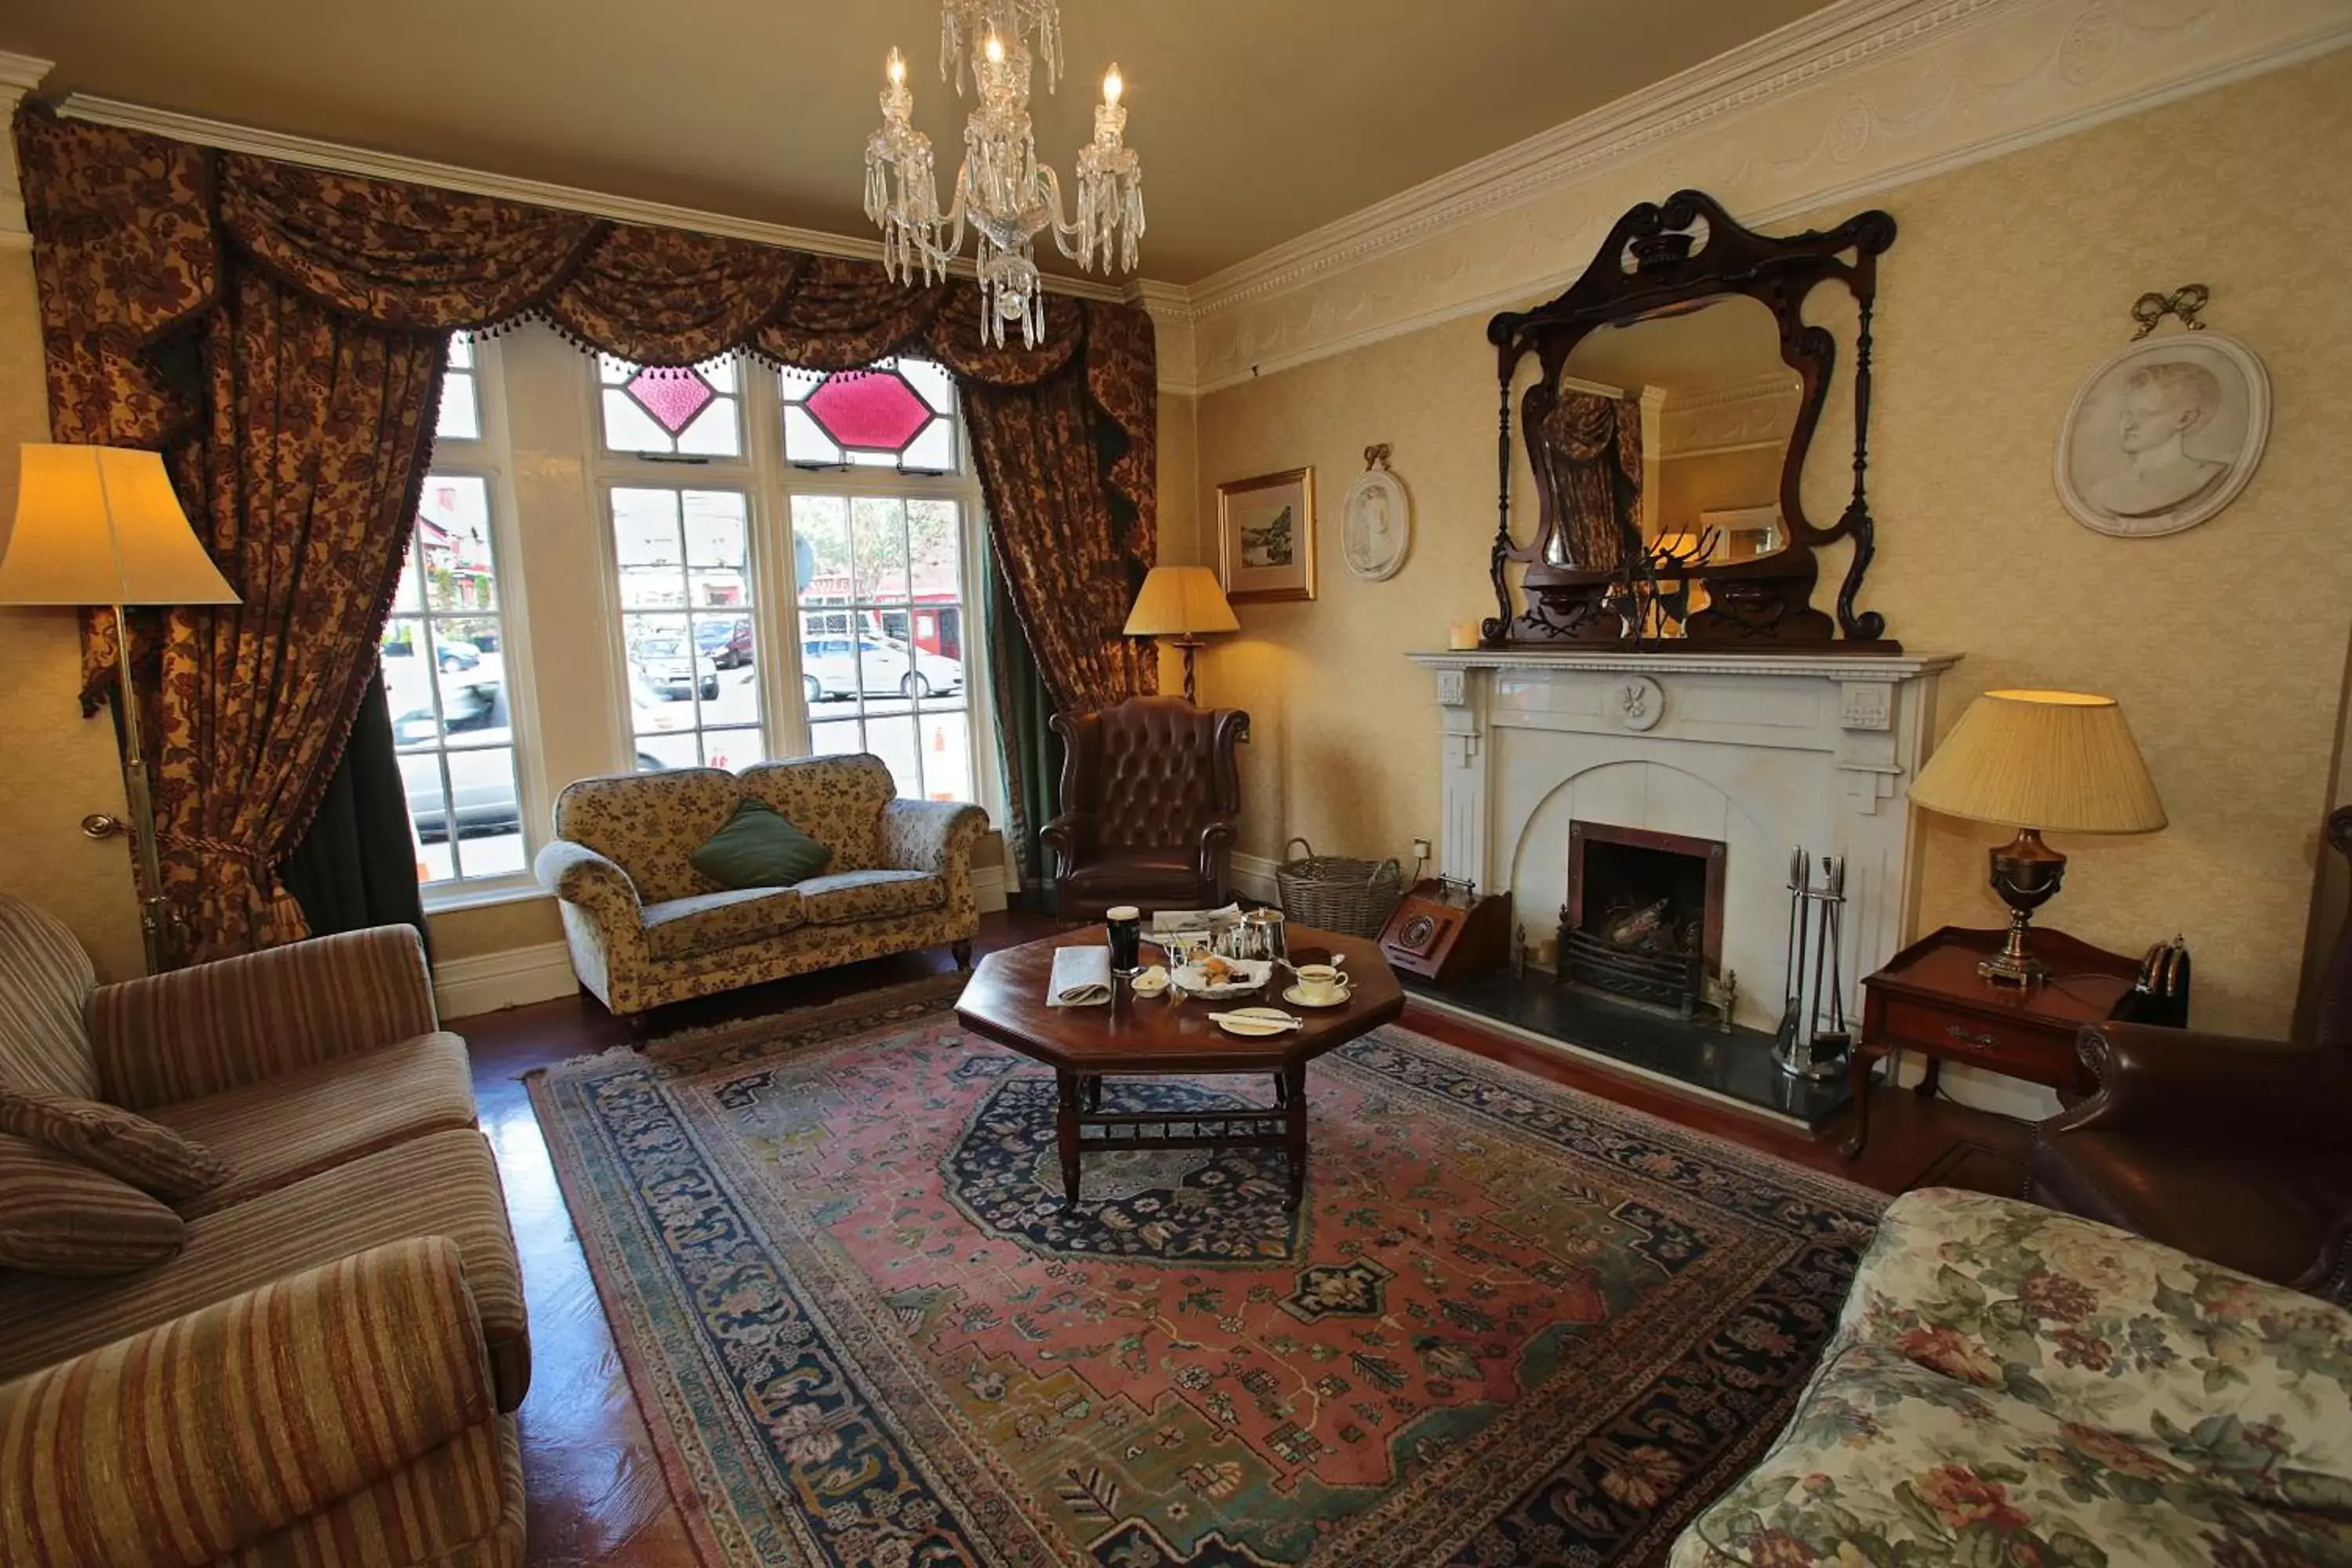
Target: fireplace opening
1644 914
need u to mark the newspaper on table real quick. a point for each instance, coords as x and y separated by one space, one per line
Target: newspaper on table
1194 922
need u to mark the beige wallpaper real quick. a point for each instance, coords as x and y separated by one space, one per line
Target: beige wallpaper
2011 278
55 768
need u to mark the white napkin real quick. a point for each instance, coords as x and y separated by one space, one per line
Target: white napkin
1081 978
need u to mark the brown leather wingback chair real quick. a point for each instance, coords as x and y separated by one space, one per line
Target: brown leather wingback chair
1151 792
2234 1149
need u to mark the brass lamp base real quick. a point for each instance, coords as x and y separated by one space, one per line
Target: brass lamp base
2026 873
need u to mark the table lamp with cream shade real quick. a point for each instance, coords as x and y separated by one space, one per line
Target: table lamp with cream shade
2056 762
101 525
1181 601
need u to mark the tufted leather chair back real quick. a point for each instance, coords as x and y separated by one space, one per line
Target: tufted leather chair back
1150 772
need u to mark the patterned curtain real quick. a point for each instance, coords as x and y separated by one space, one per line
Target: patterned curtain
277 332
1593 454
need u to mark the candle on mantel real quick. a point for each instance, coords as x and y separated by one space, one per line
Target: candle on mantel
1461 636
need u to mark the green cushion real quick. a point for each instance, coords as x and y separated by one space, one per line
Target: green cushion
758 848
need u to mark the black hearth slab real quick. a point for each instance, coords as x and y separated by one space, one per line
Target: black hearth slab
1736 1067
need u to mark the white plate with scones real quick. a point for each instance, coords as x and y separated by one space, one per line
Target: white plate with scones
1215 978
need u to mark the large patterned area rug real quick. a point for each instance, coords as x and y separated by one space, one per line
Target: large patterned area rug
1511 1324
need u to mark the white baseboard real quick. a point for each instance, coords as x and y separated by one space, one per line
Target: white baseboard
1253 875
988 889
491 981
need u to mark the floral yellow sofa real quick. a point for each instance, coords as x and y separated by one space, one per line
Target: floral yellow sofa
2012 1387
646 928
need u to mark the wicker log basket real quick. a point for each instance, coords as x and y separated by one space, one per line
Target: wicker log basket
1339 893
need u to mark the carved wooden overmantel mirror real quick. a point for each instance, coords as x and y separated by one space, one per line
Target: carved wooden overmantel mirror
1665 405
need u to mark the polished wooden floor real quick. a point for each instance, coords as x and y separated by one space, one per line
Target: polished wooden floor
596 1491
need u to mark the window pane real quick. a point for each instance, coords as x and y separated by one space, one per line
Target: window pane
473 701
878 527
629 428
834 739
682 550
893 740
733 749
692 410
657 753
490 822
931 382
717 538
947 755
737 701
933 451
460 418
645 543
420 777
453 543
821 550
805 441
713 434
461 351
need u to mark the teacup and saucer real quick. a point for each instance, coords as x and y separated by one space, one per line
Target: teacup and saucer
1318 985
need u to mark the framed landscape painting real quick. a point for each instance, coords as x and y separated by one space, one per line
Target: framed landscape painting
1266 537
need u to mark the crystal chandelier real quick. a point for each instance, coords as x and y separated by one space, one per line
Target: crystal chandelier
1007 195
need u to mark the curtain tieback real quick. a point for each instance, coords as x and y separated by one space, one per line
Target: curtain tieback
217 846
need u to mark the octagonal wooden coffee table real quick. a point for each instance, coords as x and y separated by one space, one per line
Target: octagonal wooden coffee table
1166 1036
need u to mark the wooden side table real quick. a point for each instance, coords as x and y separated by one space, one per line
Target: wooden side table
1930 999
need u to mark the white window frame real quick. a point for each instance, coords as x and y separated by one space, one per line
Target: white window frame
769 483
487 458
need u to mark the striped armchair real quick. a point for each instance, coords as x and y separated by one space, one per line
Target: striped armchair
348 1293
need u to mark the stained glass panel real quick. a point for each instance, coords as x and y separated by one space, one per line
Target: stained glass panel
672 397
899 414
694 412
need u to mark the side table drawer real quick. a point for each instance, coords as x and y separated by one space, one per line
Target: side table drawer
2044 1056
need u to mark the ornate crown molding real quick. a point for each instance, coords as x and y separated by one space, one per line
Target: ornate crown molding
19 74
1858 98
1729 418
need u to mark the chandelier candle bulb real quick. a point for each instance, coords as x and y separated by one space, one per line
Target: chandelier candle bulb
1112 87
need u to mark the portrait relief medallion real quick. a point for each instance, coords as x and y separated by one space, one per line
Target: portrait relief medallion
2163 435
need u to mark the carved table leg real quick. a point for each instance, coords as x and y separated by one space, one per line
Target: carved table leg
1281 1092
1094 1091
1926 1088
1861 1071
1066 1130
962 952
1293 1102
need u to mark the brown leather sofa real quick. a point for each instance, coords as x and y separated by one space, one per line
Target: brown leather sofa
1150 794
2233 1150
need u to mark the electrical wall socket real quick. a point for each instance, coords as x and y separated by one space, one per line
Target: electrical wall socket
1421 849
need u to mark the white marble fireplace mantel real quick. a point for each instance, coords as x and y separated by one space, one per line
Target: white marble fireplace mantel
1764 751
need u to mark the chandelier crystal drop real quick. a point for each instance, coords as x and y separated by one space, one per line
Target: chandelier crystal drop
1001 191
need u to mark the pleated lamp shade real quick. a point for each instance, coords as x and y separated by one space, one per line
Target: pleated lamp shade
2062 762
1180 601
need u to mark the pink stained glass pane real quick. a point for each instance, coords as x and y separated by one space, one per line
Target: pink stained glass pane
673 397
877 412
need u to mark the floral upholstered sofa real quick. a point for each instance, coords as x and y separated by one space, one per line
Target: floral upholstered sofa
646 928
2010 1385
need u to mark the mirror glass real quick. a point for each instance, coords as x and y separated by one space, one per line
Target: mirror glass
1718 408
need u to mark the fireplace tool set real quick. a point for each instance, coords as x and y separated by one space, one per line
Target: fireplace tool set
1814 1039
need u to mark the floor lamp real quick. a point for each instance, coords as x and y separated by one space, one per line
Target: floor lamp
1181 601
101 525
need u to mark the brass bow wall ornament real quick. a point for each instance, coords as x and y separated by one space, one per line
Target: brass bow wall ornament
2183 302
